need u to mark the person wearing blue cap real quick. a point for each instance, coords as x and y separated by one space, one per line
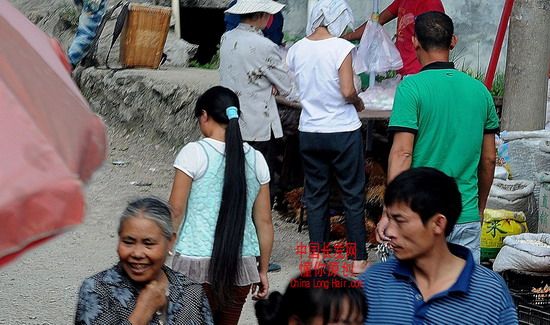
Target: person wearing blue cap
273 30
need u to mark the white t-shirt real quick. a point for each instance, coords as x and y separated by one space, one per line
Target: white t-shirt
315 65
193 161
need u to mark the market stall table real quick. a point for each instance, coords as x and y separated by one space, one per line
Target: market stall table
289 111
367 114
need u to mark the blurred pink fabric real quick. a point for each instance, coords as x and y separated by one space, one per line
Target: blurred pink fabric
50 141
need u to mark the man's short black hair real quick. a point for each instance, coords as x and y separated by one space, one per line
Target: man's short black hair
434 30
426 191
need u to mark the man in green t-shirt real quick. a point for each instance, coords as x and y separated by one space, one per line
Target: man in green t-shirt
445 119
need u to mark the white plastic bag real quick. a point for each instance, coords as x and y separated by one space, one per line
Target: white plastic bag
380 96
524 252
376 52
501 173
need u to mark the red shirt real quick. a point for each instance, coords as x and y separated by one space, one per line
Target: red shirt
406 11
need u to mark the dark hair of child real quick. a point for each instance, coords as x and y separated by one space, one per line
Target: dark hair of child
328 296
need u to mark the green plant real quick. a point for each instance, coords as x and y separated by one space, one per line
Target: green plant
498 85
365 78
388 75
498 82
214 64
457 56
287 38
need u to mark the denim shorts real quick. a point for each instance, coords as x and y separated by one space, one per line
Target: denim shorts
467 235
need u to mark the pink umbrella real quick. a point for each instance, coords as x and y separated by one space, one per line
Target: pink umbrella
50 141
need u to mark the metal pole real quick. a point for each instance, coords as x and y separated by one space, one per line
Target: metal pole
497 47
372 80
375 11
176 15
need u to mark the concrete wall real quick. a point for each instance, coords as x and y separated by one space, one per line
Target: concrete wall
476 22
156 103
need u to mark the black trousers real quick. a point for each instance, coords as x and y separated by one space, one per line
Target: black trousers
271 150
341 154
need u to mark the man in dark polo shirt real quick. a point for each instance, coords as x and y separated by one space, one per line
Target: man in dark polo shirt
445 119
431 281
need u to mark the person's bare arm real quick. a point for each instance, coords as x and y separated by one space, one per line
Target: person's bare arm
486 170
178 197
356 34
385 16
347 88
400 158
264 229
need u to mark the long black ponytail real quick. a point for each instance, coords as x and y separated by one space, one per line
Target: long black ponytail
228 238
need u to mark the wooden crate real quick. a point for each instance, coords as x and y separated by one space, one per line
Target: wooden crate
143 36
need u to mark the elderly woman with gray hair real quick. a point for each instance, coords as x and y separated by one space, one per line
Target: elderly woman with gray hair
330 135
140 289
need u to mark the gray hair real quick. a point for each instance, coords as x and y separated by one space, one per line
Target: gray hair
153 209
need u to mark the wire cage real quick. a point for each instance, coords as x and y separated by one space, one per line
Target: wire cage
533 307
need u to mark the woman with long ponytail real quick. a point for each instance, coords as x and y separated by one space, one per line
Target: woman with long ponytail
220 197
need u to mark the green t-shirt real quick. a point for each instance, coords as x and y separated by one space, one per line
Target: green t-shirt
448 111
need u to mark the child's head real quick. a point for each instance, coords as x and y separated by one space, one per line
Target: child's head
311 300
215 102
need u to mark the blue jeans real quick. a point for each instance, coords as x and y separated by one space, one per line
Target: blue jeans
341 154
90 18
467 235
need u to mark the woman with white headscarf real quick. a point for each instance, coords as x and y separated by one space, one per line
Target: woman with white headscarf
330 135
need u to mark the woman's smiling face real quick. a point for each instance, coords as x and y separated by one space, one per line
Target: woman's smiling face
142 249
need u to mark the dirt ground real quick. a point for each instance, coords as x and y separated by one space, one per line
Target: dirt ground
41 287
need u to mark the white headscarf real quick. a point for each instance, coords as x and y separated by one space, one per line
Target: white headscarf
336 15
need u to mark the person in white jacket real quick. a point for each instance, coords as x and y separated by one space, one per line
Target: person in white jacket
252 66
